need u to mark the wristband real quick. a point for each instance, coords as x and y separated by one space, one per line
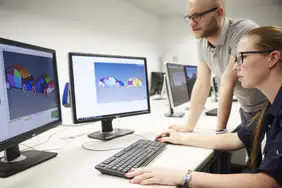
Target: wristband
187 177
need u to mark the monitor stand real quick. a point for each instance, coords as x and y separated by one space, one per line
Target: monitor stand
159 98
108 132
16 161
171 113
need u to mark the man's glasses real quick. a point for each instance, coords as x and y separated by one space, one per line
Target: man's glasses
239 58
198 16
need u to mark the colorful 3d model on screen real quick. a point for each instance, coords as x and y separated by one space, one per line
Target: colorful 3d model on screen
113 82
20 78
43 84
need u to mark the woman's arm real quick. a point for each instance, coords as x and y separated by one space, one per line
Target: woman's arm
257 180
228 141
151 176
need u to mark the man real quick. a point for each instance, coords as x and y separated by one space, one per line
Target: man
218 38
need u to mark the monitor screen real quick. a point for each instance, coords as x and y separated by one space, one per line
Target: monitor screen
157 82
177 84
108 86
29 96
191 72
191 75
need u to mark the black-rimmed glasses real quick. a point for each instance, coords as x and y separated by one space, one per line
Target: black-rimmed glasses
198 16
239 58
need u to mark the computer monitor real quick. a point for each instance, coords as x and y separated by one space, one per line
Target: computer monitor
177 88
191 76
157 85
157 80
105 87
29 102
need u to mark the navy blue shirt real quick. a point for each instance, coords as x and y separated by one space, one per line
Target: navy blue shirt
271 163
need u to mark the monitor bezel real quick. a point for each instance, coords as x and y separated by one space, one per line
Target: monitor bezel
5 144
110 116
169 83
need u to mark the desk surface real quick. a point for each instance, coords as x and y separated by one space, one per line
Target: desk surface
74 166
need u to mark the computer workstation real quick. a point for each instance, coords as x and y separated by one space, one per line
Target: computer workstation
177 90
145 150
29 102
106 87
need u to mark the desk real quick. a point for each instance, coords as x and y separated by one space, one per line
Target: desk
74 166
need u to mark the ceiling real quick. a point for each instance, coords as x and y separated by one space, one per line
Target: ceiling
164 9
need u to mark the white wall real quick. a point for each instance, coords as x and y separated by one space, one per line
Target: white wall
179 41
94 26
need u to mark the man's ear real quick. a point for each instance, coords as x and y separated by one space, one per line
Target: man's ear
220 12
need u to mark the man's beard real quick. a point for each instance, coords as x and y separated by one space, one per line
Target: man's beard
209 31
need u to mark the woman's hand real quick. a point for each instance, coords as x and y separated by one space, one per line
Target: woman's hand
153 176
171 136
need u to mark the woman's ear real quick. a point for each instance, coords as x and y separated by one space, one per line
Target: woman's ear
274 59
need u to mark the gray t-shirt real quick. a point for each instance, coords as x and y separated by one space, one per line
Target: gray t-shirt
217 58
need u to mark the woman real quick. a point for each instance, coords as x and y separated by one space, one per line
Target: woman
257 65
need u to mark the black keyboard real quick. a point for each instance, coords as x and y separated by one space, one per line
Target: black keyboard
138 154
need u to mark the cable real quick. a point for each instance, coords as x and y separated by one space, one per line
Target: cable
56 149
75 136
59 149
48 139
27 147
111 149
140 136
98 149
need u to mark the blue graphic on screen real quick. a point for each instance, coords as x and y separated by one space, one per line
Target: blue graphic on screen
191 72
120 82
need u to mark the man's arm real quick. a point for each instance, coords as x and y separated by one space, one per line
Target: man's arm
199 95
223 142
227 84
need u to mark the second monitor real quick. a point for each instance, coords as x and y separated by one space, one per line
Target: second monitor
105 87
177 88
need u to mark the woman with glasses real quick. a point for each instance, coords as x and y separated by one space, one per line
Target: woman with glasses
258 64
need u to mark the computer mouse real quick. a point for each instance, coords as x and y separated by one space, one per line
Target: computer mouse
162 136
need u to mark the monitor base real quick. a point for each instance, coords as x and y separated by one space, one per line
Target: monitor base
110 135
175 114
159 98
31 159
